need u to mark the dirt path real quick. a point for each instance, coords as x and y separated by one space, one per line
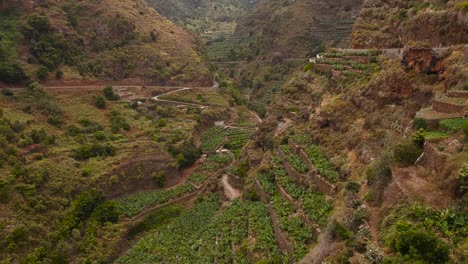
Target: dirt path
374 213
324 248
230 192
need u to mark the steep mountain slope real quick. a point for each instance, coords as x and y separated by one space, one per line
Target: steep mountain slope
387 24
296 28
103 40
199 15
213 20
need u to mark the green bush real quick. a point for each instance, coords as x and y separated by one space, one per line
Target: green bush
159 178
7 92
463 178
106 212
420 123
88 151
416 244
100 102
36 25
42 73
58 74
118 122
407 152
109 94
81 208
11 73
353 187
419 137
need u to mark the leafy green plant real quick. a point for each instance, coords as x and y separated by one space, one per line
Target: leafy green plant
321 162
88 151
463 178
11 73
453 125
294 160
109 94
159 178
416 244
99 102
42 73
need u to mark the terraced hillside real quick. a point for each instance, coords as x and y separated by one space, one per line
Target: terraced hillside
297 28
396 23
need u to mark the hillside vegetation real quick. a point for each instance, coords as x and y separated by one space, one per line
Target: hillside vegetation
387 24
289 147
90 41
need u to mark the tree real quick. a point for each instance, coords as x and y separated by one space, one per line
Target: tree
416 244
106 212
100 102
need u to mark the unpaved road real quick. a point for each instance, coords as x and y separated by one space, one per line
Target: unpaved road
230 192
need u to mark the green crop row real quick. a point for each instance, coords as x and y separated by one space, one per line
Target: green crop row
134 204
237 138
206 235
294 160
211 139
299 234
321 162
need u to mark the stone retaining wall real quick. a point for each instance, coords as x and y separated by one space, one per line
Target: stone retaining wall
459 94
444 107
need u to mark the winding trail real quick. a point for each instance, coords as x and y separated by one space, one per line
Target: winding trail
230 192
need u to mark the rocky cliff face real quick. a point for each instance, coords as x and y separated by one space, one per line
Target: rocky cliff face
395 23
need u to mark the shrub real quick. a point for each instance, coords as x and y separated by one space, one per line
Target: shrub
100 102
11 73
88 151
118 122
38 136
109 94
463 178
58 74
353 186
36 25
418 137
159 178
7 92
55 120
80 209
42 73
420 123
407 152
106 212
417 244
338 230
